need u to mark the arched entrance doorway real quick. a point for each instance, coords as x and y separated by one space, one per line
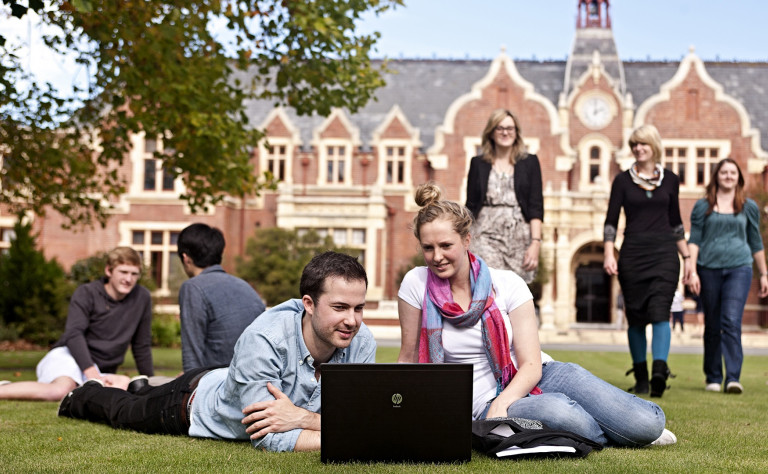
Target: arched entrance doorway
593 286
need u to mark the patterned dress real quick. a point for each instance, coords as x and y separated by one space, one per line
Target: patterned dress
500 235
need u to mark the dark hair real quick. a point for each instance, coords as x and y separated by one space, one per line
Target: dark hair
713 186
202 243
329 264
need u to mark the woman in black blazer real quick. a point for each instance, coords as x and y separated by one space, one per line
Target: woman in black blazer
504 194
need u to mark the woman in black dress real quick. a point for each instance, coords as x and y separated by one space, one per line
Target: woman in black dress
648 267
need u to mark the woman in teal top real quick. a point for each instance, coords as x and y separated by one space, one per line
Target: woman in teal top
725 238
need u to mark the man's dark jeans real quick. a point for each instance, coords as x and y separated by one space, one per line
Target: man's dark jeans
161 409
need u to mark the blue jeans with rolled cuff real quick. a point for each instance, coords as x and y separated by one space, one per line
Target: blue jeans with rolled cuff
575 400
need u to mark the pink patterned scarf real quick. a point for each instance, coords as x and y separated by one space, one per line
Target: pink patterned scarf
438 306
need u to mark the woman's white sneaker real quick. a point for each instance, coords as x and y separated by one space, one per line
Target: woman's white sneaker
667 437
712 387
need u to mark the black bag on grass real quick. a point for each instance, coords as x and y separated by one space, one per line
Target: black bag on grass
514 437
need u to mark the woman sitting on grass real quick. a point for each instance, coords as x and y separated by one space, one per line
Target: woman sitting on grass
457 309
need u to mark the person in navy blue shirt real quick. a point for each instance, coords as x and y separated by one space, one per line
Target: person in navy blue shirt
215 306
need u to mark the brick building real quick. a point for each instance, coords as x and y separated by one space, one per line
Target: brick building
352 176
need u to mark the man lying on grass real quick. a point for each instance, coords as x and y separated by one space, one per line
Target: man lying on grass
270 392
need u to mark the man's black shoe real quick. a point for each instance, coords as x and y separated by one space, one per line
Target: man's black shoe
137 383
66 402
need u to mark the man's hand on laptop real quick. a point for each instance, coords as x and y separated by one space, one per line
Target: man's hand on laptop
277 416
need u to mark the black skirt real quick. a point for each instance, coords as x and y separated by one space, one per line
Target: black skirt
649 270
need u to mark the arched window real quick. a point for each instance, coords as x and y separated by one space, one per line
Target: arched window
594 163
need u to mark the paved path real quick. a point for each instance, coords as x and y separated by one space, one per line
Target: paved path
762 351
605 340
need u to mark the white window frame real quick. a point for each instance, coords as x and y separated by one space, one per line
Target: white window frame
322 175
139 153
7 234
692 160
166 248
585 163
385 159
265 156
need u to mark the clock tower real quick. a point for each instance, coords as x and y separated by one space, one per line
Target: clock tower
594 36
593 98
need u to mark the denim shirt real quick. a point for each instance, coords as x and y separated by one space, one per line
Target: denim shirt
271 349
216 307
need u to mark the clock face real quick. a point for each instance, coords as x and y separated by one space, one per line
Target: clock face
595 112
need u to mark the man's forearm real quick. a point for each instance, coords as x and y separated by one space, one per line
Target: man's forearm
308 440
311 422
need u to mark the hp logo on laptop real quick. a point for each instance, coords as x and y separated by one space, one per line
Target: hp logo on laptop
397 399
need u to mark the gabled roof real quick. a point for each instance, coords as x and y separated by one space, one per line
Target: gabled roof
645 78
586 43
747 83
424 90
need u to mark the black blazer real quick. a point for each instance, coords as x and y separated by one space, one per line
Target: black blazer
527 182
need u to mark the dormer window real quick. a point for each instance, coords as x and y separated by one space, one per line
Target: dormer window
277 161
335 164
395 164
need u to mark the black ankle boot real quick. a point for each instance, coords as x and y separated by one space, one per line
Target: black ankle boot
659 375
641 377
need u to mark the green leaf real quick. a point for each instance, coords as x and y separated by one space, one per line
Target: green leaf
85 6
157 69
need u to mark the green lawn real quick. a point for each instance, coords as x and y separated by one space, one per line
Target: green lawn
716 432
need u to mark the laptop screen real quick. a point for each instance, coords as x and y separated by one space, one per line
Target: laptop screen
396 412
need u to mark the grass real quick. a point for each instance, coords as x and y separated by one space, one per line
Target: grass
716 432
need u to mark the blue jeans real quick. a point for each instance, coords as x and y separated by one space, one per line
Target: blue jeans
576 400
723 296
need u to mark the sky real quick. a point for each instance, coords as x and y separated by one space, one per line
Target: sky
544 29
527 29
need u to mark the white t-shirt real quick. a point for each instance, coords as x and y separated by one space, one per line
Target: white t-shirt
465 345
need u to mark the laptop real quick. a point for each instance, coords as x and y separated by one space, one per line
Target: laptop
396 412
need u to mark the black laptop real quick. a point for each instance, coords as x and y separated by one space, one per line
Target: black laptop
396 412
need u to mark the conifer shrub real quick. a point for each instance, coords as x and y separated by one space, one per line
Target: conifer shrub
34 291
